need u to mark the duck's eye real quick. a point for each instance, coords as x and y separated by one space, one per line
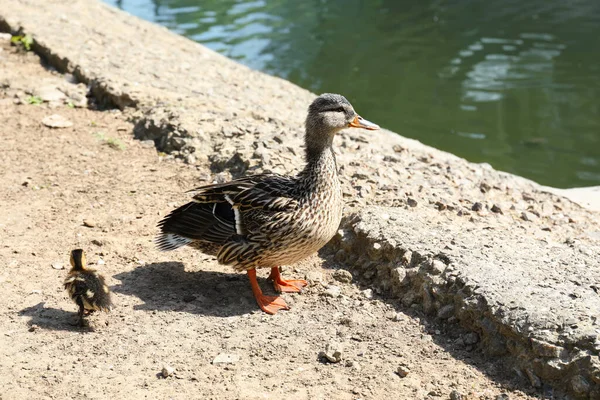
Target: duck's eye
339 109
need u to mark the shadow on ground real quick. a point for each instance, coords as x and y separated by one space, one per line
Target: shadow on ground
52 318
167 286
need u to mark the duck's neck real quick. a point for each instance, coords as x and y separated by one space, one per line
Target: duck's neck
321 167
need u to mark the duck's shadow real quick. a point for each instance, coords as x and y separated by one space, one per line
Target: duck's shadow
52 318
166 286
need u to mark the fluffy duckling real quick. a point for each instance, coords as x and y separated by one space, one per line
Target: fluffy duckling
86 287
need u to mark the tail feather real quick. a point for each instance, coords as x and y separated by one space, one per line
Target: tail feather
206 222
171 241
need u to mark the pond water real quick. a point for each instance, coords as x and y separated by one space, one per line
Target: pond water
510 82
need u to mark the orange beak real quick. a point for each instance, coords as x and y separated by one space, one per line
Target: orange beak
360 122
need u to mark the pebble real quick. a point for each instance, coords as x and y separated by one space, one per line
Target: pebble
527 216
455 395
411 202
368 293
470 338
100 262
56 121
50 93
496 209
402 371
167 371
343 276
89 223
333 291
58 265
226 358
333 352
477 207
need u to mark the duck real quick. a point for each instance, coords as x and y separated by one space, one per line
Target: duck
86 287
269 220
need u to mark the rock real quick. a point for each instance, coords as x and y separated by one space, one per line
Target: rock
333 291
5 36
89 223
343 276
496 209
477 207
502 396
100 262
470 338
226 358
402 371
411 202
455 395
147 144
368 293
58 265
314 276
580 385
527 216
50 93
189 298
446 312
333 352
167 371
56 121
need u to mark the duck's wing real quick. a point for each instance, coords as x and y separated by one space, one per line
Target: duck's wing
270 192
215 214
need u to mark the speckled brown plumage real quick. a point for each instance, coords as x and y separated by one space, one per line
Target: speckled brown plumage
264 221
86 287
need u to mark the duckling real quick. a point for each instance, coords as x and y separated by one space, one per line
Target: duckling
86 287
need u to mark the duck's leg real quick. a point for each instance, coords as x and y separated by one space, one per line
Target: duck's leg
289 286
269 304
80 312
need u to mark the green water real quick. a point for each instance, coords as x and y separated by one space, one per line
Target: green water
512 83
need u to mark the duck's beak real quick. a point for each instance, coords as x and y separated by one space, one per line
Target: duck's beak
360 122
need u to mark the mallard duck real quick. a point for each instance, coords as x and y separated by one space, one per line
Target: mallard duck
268 220
86 287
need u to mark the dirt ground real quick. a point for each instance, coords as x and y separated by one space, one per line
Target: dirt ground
178 309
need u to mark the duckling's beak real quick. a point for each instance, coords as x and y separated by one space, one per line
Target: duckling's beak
360 122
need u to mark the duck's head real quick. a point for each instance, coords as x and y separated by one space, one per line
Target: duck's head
327 115
78 261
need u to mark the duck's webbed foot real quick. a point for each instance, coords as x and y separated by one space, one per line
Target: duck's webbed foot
269 304
286 286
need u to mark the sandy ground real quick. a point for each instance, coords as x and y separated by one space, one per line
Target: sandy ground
177 309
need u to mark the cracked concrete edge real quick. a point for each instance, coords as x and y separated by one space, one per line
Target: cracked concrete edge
106 95
429 281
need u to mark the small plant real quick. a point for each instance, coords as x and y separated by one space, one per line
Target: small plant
115 143
35 100
110 141
26 41
70 104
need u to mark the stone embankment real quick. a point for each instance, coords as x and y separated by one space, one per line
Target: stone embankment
514 262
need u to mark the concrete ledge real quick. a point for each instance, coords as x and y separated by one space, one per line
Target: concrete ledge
540 312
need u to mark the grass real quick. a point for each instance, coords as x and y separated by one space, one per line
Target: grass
110 141
35 100
25 40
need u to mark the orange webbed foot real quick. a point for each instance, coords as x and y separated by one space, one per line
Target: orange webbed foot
286 286
269 304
